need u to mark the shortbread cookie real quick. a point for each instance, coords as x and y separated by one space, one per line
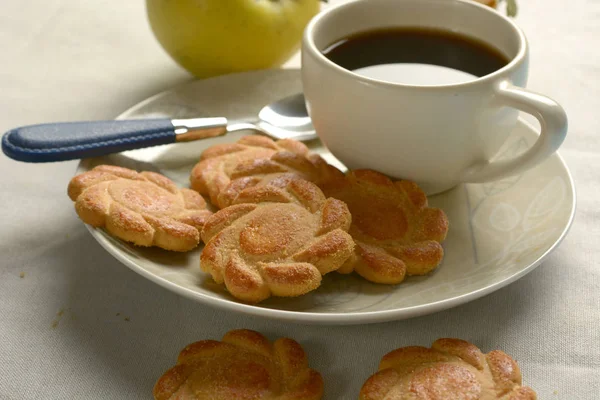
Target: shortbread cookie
277 170
244 365
395 232
213 172
144 208
276 242
450 369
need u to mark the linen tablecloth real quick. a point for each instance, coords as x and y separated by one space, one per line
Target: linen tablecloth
75 323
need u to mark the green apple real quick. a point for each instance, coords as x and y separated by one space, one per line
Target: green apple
214 37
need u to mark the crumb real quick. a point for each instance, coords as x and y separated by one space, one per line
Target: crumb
118 314
555 392
67 236
22 275
127 319
59 315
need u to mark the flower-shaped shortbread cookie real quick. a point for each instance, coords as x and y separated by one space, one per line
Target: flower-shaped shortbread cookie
244 366
144 208
277 170
276 241
450 369
395 232
213 173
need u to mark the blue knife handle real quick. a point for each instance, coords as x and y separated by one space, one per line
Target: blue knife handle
73 140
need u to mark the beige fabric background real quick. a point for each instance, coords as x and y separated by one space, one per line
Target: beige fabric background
63 333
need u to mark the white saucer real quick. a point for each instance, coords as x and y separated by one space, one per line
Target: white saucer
499 231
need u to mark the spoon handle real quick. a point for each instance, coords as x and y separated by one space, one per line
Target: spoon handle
72 140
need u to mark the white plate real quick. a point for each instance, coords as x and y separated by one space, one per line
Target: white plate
499 231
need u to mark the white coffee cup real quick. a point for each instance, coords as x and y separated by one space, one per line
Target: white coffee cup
438 136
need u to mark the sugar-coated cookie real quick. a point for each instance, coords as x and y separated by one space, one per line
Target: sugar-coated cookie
395 232
143 208
277 170
244 366
276 242
450 369
213 173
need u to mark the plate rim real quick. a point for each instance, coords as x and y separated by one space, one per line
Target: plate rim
328 318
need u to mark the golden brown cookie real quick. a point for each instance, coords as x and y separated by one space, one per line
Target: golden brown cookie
277 170
395 232
213 172
276 242
450 369
144 208
244 366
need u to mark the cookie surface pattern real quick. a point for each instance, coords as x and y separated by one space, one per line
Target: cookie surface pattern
450 369
244 365
143 208
395 231
276 242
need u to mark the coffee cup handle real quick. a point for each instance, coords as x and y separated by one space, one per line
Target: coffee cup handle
553 122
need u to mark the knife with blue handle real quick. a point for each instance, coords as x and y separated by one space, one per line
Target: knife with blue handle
74 140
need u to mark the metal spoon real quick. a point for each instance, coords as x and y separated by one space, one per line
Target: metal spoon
286 118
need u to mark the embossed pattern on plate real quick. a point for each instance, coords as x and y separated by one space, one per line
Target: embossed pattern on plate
499 231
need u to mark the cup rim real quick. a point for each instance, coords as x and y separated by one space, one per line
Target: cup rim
309 45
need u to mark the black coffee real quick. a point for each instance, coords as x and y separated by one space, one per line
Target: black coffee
416 56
